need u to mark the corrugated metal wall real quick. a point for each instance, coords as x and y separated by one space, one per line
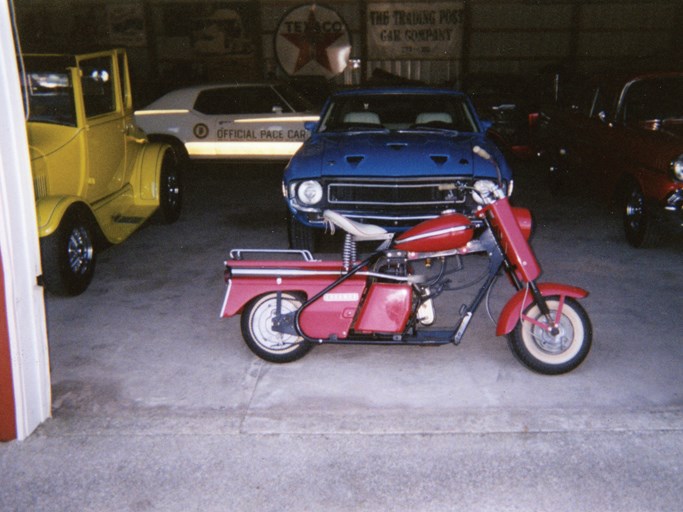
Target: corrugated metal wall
511 36
518 36
629 34
431 71
526 36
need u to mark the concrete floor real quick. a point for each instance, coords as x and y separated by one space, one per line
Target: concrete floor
159 405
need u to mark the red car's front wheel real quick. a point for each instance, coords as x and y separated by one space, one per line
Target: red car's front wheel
639 227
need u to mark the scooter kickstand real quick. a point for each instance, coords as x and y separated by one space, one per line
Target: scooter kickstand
462 327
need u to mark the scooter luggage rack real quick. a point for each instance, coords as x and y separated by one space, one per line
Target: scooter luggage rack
238 254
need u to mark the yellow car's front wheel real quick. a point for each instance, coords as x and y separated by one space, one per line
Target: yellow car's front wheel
68 255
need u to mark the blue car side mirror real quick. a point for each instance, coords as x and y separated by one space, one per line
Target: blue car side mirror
485 125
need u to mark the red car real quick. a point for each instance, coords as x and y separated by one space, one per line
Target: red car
623 136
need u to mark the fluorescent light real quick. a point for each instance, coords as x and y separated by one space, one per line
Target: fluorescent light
278 119
160 112
225 149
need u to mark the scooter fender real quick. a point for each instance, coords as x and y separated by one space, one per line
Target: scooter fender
259 277
240 292
514 307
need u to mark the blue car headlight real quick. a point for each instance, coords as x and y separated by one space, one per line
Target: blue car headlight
309 192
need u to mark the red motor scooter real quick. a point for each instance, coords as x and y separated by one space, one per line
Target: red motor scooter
289 305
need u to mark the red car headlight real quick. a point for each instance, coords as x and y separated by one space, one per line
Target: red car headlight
677 168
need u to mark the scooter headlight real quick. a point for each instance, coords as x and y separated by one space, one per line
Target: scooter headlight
677 168
309 192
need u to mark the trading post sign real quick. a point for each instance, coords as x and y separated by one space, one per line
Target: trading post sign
414 30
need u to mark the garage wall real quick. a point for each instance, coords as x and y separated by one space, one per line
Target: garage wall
517 36
520 37
630 34
525 36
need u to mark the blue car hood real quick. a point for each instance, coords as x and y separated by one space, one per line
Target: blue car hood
395 154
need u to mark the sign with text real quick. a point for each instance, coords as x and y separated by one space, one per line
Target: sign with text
414 30
312 40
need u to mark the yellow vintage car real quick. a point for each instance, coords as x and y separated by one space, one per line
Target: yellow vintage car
96 176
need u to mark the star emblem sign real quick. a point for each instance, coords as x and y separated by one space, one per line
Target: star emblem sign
319 41
313 43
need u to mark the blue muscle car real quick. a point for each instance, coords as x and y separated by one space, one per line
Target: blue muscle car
390 157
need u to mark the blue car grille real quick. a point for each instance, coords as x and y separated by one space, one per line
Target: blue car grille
395 193
402 201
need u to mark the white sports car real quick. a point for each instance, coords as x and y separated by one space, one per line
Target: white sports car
230 121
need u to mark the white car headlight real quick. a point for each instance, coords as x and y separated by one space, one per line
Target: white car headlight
309 192
677 168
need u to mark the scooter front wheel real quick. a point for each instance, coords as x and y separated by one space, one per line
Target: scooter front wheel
260 334
552 352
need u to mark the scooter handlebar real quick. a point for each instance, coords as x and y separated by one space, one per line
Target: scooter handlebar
482 153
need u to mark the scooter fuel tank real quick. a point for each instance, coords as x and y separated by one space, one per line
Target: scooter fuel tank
448 231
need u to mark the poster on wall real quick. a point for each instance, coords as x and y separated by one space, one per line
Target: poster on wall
414 30
312 40
127 25
205 41
205 29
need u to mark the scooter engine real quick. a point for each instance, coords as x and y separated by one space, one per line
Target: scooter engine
394 263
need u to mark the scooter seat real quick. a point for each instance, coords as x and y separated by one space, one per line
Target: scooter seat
361 232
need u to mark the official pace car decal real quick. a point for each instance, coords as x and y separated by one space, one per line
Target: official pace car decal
250 137
273 133
312 40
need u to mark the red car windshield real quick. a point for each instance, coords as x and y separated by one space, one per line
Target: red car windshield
659 98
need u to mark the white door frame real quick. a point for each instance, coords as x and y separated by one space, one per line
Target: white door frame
20 249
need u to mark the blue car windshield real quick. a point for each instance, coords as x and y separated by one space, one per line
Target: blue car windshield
384 111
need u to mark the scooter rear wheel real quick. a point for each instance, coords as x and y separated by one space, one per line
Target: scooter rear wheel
547 353
259 332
